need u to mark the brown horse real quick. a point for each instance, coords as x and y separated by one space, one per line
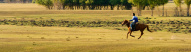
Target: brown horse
140 27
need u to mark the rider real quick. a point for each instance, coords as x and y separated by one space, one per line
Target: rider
135 20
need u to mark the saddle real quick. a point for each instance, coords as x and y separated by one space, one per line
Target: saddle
134 27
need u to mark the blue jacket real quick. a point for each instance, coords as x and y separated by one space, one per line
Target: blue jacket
135 19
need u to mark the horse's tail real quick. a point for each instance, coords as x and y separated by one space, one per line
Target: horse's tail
148 29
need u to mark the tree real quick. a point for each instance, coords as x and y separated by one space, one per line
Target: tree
70 4
178 4
152 4
83 3
76 3
47 3
126 4
57 4
63 3
89 3
139 4
100 4
162 2
188 3
113 3
106 3
97 4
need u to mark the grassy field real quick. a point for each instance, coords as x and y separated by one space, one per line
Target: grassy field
85 39
63 39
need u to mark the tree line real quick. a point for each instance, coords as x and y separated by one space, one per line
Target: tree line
102 4
178 4
16 1
140 4
105 4
85 4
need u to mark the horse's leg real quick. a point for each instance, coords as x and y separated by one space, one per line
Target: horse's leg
141 34
131 35
127 35
129 29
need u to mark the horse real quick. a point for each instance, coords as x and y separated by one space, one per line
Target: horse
138 27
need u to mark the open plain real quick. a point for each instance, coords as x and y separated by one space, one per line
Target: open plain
18 37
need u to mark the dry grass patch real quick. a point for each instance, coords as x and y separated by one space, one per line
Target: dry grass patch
90 39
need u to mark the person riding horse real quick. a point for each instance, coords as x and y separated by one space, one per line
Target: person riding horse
132 27
135 20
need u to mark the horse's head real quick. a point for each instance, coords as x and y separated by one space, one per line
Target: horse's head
125 22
